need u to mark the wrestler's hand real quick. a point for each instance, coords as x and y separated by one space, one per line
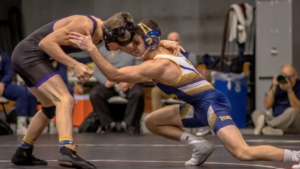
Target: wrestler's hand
108 84
130 85
173 46
84 42
82 72
122 86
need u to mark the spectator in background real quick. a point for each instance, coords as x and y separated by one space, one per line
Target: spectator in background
26 103
174 36
106 89
283 98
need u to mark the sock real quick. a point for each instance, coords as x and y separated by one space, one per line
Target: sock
187 138
27 143
64 140
112 125
288 155
124 125
30 119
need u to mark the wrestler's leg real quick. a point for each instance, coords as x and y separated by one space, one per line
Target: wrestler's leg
236 145
23 155
167 122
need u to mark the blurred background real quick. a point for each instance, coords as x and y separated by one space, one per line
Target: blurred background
238 45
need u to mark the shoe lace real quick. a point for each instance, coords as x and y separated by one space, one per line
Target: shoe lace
296 157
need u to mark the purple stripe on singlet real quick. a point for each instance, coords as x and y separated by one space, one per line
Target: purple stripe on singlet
45 79
54 23
187 68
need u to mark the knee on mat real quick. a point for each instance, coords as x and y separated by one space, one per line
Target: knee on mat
149 121
242 154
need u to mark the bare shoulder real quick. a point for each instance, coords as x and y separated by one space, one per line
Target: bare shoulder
155 63
77 23
163 62
82 21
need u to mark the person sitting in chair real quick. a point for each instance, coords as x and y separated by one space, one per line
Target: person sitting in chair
107 89
26 103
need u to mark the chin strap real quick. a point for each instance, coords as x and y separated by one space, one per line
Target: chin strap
141 58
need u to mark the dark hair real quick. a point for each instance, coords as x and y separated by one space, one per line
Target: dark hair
150 23
121 19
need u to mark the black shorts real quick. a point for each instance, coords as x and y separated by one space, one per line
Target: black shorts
32 64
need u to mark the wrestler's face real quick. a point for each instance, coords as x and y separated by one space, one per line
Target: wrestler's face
139 47
114 46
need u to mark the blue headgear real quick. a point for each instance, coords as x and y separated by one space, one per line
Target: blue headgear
151 37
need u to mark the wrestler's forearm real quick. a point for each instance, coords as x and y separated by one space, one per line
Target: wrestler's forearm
109 71
55 52
128 49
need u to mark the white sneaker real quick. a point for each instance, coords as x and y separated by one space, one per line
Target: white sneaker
21 130
271 131
296 166
21 125
296 158
53 129
202 151
260 123
202 131
45 131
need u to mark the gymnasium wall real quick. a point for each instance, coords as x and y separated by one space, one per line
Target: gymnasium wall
200 22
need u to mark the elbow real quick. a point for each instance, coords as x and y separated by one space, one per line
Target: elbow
42 44
297 107
267 106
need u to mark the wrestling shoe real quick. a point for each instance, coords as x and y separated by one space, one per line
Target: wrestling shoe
202 150
23 156
296 158
69 158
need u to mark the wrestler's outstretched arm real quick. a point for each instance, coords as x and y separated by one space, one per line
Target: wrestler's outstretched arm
51 45
133 74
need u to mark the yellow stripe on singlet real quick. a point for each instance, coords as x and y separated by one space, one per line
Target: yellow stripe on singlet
188 78
199 89
185 110
213 120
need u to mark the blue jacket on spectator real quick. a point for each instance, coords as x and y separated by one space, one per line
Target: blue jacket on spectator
26 103
6 71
